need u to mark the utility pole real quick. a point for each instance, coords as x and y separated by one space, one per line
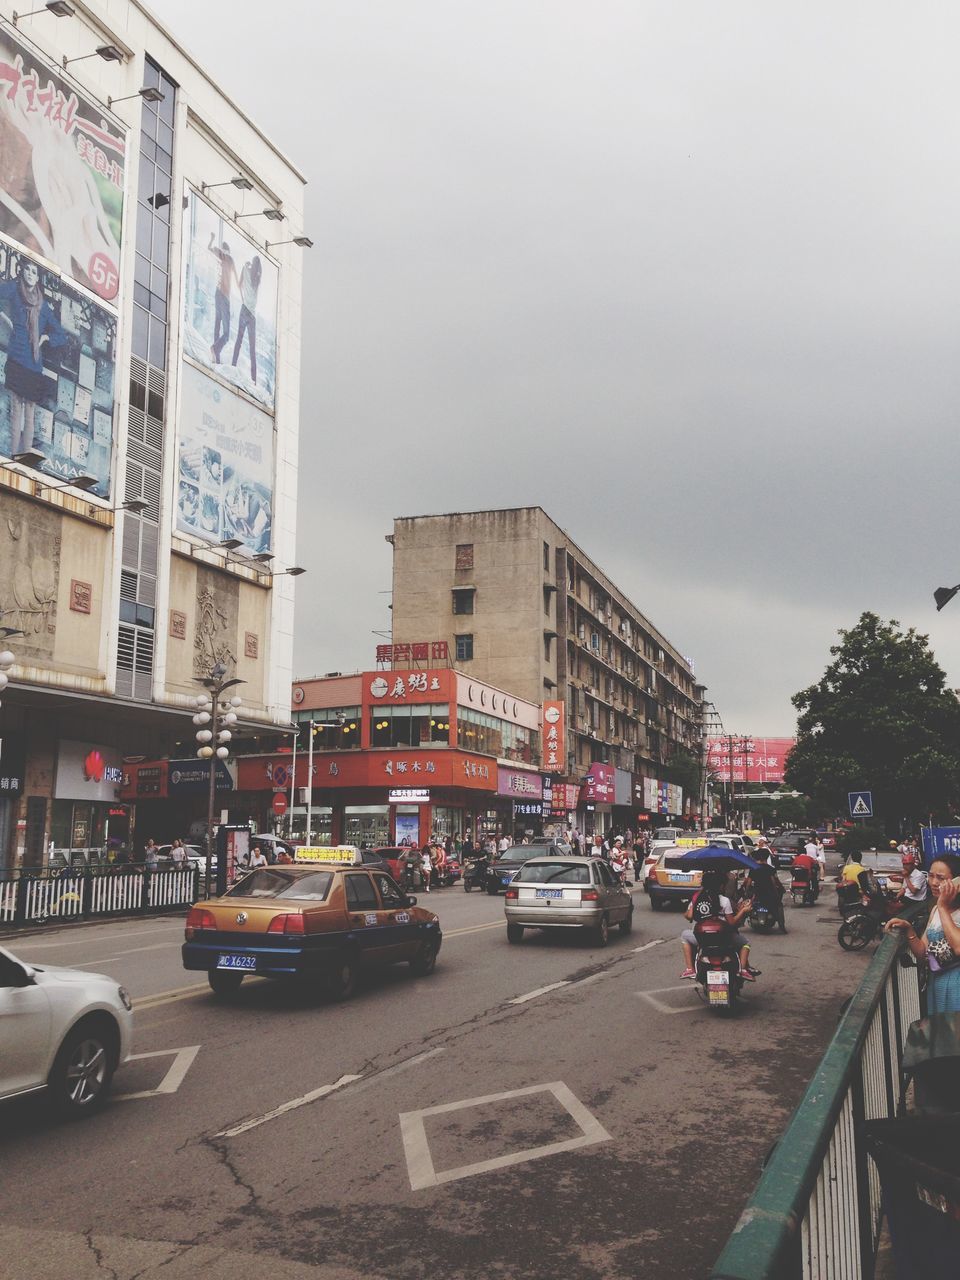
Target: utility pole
215 719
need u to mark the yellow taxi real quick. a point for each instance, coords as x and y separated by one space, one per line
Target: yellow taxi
668 880
320 919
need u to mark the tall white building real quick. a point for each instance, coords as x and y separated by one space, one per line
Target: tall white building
151 244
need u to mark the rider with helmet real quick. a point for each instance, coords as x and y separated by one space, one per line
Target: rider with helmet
710 903
766 883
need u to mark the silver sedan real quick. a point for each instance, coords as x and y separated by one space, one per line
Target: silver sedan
567 893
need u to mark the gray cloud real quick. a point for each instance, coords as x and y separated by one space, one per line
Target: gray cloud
684 275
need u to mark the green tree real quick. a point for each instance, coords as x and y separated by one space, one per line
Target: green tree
683 769
880 719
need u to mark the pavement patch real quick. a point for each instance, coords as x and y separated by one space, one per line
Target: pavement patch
420 1164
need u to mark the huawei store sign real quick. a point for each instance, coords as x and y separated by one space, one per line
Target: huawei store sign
96 769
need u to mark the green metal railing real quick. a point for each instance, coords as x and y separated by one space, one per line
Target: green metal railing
815 1213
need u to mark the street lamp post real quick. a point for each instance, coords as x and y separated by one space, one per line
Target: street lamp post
337 723
215 719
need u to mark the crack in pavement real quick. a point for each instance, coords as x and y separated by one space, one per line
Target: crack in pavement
98 1255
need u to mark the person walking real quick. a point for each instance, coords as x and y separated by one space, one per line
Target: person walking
178 854
426 866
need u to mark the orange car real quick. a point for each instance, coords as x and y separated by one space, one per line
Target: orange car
314 923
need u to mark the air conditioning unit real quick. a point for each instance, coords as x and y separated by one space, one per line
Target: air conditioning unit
582 631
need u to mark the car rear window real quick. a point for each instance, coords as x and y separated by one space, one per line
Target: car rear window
279 884
555 873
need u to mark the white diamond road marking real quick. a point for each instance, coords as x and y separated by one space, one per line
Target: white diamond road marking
171 1082
651 998
417 1149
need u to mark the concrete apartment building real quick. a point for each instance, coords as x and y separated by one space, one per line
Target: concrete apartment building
523 607
149 415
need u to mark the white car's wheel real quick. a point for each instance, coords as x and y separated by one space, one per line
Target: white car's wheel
80 1077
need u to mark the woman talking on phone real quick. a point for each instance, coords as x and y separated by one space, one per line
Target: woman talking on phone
939 943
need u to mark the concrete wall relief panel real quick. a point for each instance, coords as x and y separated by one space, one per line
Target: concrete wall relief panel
216 626
30 547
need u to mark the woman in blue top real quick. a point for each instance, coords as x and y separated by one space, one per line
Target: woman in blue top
33 325
939 943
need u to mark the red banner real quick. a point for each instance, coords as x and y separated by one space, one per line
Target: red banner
743 759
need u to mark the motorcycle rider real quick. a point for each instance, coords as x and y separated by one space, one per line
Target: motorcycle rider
710 903
807 861
766 883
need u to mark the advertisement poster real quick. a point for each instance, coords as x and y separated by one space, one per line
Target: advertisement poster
61 170
57 357
224 465
554 737
745 759
408 829
230 303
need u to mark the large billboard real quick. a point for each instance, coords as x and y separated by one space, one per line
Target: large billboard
230 303
740 759
61 170
57 363
224 465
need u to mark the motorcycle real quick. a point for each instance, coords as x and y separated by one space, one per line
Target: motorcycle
413 881
475 873
763 918
717 964
864 920
804 888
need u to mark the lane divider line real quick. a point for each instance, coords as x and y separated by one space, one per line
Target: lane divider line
540 991
647 945
302 1101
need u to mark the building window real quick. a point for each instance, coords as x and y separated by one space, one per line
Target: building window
464 648
546 557
546 600
464 555
463 599
546 648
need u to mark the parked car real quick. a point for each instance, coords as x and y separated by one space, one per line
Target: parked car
566 892
394 855
63 1030
319 922
195 855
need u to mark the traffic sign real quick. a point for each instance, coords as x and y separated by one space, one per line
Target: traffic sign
861 804
280 803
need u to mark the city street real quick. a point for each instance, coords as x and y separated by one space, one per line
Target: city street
586 1115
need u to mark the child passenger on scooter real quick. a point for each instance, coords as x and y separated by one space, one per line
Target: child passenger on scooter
710 903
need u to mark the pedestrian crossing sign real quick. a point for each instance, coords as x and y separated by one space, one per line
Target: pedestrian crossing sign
861 804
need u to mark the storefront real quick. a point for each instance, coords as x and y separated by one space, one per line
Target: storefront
597 797
88 812
523 790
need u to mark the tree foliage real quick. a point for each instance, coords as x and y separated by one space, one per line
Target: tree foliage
880 719
685 770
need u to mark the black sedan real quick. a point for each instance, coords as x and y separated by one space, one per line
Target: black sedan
505 866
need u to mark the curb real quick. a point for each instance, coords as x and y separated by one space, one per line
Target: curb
36 931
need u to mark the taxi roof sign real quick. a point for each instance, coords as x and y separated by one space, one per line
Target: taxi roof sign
343 855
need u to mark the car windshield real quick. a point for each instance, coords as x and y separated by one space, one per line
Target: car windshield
280 884
555 873
518 853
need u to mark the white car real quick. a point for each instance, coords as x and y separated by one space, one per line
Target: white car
63 1030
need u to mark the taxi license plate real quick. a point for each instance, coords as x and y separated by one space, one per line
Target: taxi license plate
237 962
718 978
681 877
549 893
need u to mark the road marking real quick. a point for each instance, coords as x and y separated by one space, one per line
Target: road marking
368 1082
30 945
171 1082
420 1168
167 997
540 991
594 977
647 945
651 998
312 1096
474 928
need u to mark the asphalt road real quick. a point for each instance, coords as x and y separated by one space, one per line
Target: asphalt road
586 1115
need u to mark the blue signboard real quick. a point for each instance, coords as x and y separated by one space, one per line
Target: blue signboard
937 840
185 776
861 804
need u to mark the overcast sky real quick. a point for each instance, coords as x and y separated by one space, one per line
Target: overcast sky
683 274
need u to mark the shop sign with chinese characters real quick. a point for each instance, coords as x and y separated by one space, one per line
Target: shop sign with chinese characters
554 737
601 784
11 763
527 809
517 782
408 795
419 651
398 687
397 768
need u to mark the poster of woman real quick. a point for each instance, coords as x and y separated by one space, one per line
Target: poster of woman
57 357
230 303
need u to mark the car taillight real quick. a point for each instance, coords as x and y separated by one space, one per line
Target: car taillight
512 893
292 922
198 918
589 895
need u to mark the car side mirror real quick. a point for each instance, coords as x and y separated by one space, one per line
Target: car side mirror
410 901
14 974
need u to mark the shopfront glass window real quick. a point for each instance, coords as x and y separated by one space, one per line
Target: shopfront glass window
413 726
336 729
321 822
367 827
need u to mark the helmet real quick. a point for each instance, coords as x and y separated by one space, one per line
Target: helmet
893 844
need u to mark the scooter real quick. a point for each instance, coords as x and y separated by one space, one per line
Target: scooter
864 920
475 873
804 888
762 918
717 964
413 881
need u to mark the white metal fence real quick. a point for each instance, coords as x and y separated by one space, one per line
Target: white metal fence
74 894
